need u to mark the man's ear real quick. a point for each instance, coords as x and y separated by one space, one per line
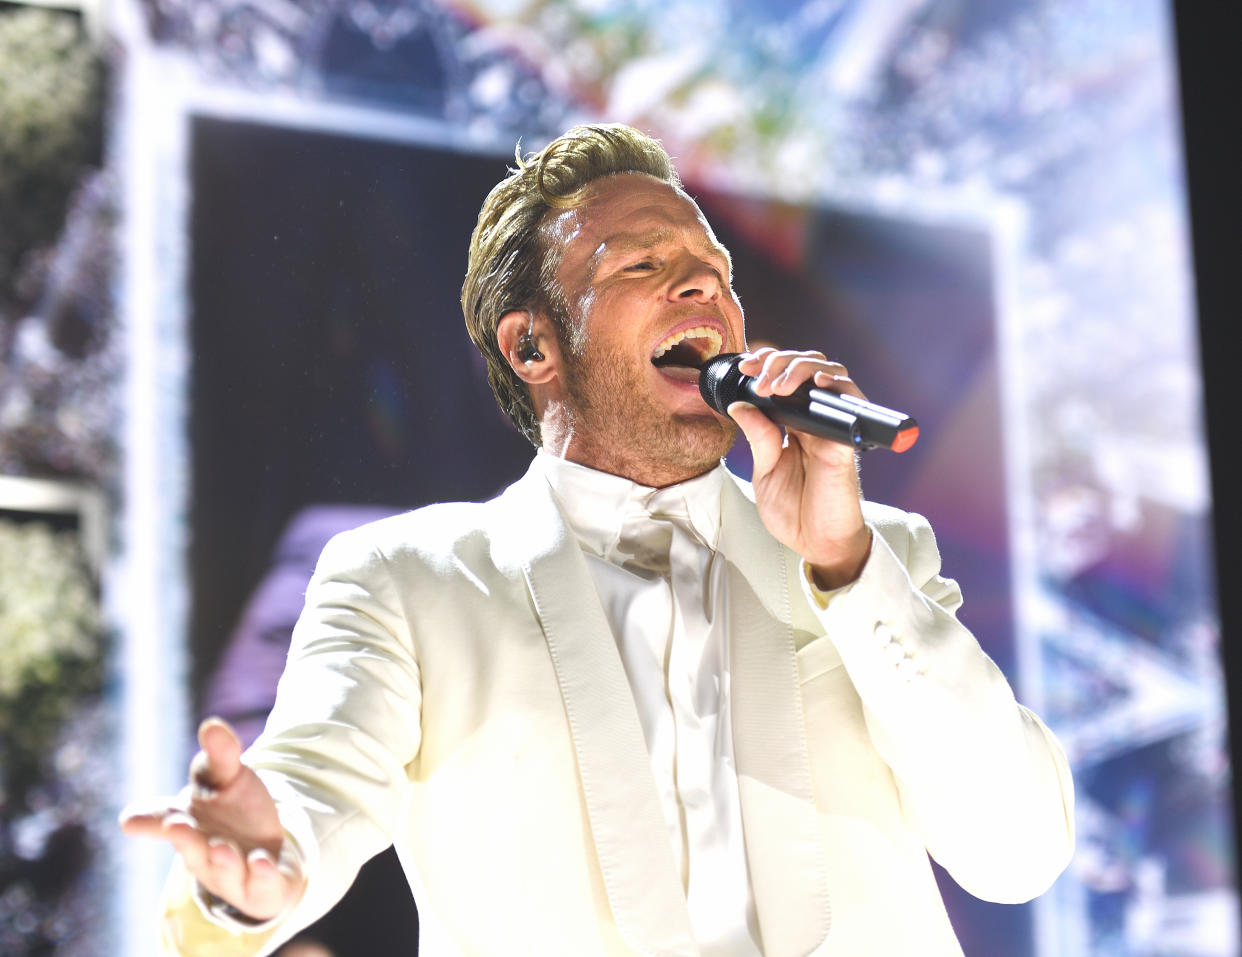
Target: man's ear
528 341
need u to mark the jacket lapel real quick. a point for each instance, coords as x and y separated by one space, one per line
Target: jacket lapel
627 822
787 870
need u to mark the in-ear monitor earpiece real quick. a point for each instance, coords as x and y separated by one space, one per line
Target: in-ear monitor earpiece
527 350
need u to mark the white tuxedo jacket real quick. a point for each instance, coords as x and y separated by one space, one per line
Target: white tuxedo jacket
453 687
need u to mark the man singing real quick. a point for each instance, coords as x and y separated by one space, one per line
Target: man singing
633 705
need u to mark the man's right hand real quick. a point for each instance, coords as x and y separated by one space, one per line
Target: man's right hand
227 831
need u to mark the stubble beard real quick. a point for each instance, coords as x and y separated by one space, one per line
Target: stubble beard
620 427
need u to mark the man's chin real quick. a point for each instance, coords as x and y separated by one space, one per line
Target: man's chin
703 439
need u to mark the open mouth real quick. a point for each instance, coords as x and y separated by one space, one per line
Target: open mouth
689 348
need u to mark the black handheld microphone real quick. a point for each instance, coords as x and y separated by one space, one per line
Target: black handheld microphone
830 415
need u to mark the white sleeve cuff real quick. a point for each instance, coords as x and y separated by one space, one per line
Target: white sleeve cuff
820 597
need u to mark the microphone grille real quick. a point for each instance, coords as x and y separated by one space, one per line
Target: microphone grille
719 380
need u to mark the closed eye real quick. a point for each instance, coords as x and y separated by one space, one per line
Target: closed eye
645 264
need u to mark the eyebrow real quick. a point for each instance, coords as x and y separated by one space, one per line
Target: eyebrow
622 243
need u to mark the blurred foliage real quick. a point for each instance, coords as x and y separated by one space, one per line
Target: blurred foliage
58 361
50 649
51 131
61 365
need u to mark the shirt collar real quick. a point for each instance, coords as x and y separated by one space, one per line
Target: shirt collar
597 504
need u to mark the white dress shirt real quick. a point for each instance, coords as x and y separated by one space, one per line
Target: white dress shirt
652 555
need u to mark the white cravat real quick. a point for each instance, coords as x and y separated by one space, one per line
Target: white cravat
652 554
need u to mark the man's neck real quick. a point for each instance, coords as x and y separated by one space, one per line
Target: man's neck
652 464
649 474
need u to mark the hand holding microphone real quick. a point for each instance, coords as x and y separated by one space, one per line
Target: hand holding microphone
806 490
836 416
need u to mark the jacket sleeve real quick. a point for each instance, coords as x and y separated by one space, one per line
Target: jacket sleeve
981 779
336 748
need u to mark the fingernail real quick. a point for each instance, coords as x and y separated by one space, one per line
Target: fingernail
260 854
739 404
217 841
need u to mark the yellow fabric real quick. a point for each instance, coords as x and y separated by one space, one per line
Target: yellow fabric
187 931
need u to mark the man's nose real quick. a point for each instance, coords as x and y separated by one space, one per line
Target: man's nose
696 280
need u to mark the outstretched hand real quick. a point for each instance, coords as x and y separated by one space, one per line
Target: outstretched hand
806 487
226 830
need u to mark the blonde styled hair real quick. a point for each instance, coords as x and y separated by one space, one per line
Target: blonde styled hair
512 264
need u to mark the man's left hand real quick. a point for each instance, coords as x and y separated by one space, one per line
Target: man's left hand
806 487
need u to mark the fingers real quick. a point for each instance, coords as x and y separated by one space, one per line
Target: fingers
763 435
218 762
204 855
172 824
253 883
217 864
141 820
225 827
269 888
164 819
781 372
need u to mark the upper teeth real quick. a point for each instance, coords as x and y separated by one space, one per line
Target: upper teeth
698 332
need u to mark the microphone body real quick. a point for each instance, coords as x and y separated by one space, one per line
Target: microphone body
842 418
